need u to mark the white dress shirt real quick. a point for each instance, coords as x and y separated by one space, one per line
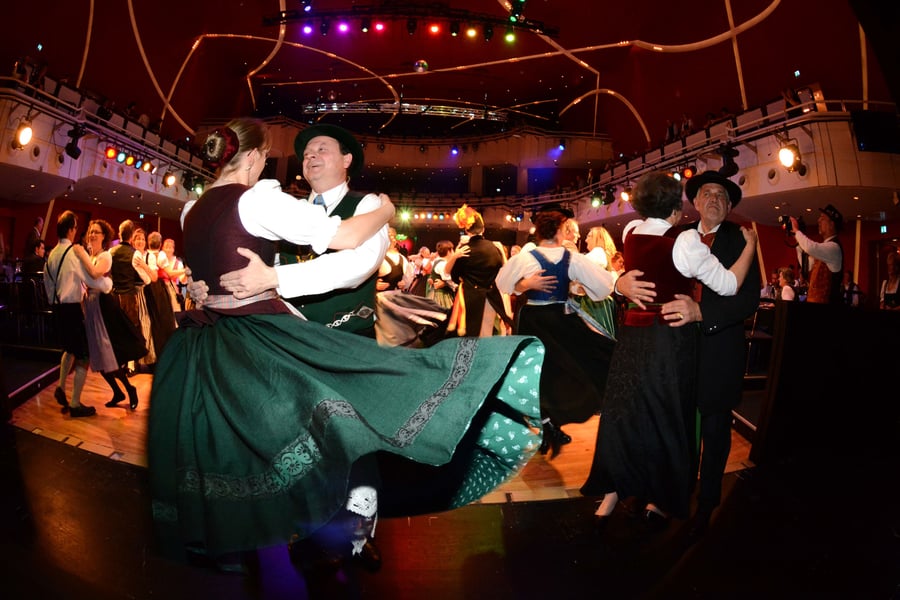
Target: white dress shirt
691 256
345 269
70 279
828 251
597 282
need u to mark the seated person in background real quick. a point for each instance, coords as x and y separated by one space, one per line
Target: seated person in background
785 288
34 261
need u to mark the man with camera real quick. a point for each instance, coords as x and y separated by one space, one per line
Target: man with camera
827 257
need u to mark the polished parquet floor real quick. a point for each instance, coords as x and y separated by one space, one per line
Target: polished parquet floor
120 434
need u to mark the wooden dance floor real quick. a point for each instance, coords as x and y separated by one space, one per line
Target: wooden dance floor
120 434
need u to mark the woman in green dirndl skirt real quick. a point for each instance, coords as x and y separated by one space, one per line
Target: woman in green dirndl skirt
257 415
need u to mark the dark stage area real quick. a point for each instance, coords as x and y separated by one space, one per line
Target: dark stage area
76 525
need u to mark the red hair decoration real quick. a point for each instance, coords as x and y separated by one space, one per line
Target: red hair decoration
232 145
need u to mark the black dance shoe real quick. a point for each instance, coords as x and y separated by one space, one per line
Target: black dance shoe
553 439
82 411
132 397
61 399
115 400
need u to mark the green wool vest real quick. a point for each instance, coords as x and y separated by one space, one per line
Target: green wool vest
350 309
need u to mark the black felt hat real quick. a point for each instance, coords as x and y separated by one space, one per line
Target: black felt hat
694 183
835 215
344 138
554 207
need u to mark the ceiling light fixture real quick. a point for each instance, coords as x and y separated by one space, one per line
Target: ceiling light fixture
168 179
789 157
24 133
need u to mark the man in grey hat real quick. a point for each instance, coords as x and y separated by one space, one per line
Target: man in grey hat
827 265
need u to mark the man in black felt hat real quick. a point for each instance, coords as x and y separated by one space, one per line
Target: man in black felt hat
337 288
827 264
722 348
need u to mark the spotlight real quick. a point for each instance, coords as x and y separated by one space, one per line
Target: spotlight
562 144
422 148
121 155
510 35
688 172
789 156
595 200
365 25
609 195
24 133
307 5
76 133
454 28
454 150
111 152
168 179
129 160
626 193
323 27
411 25
147 167
729 168
488 32
381 147
187 180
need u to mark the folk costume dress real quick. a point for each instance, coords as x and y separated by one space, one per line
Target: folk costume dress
258 415
646 442
577 359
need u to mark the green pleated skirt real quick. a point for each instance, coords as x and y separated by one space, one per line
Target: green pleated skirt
256 421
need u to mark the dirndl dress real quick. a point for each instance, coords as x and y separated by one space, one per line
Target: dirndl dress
256 421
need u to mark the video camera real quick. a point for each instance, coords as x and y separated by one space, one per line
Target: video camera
785 221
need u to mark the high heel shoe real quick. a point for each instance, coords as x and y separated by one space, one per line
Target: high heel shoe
132 397
551 441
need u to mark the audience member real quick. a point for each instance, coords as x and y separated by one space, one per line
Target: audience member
826 257
34 261
36 233
889 298
850 292
785 290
